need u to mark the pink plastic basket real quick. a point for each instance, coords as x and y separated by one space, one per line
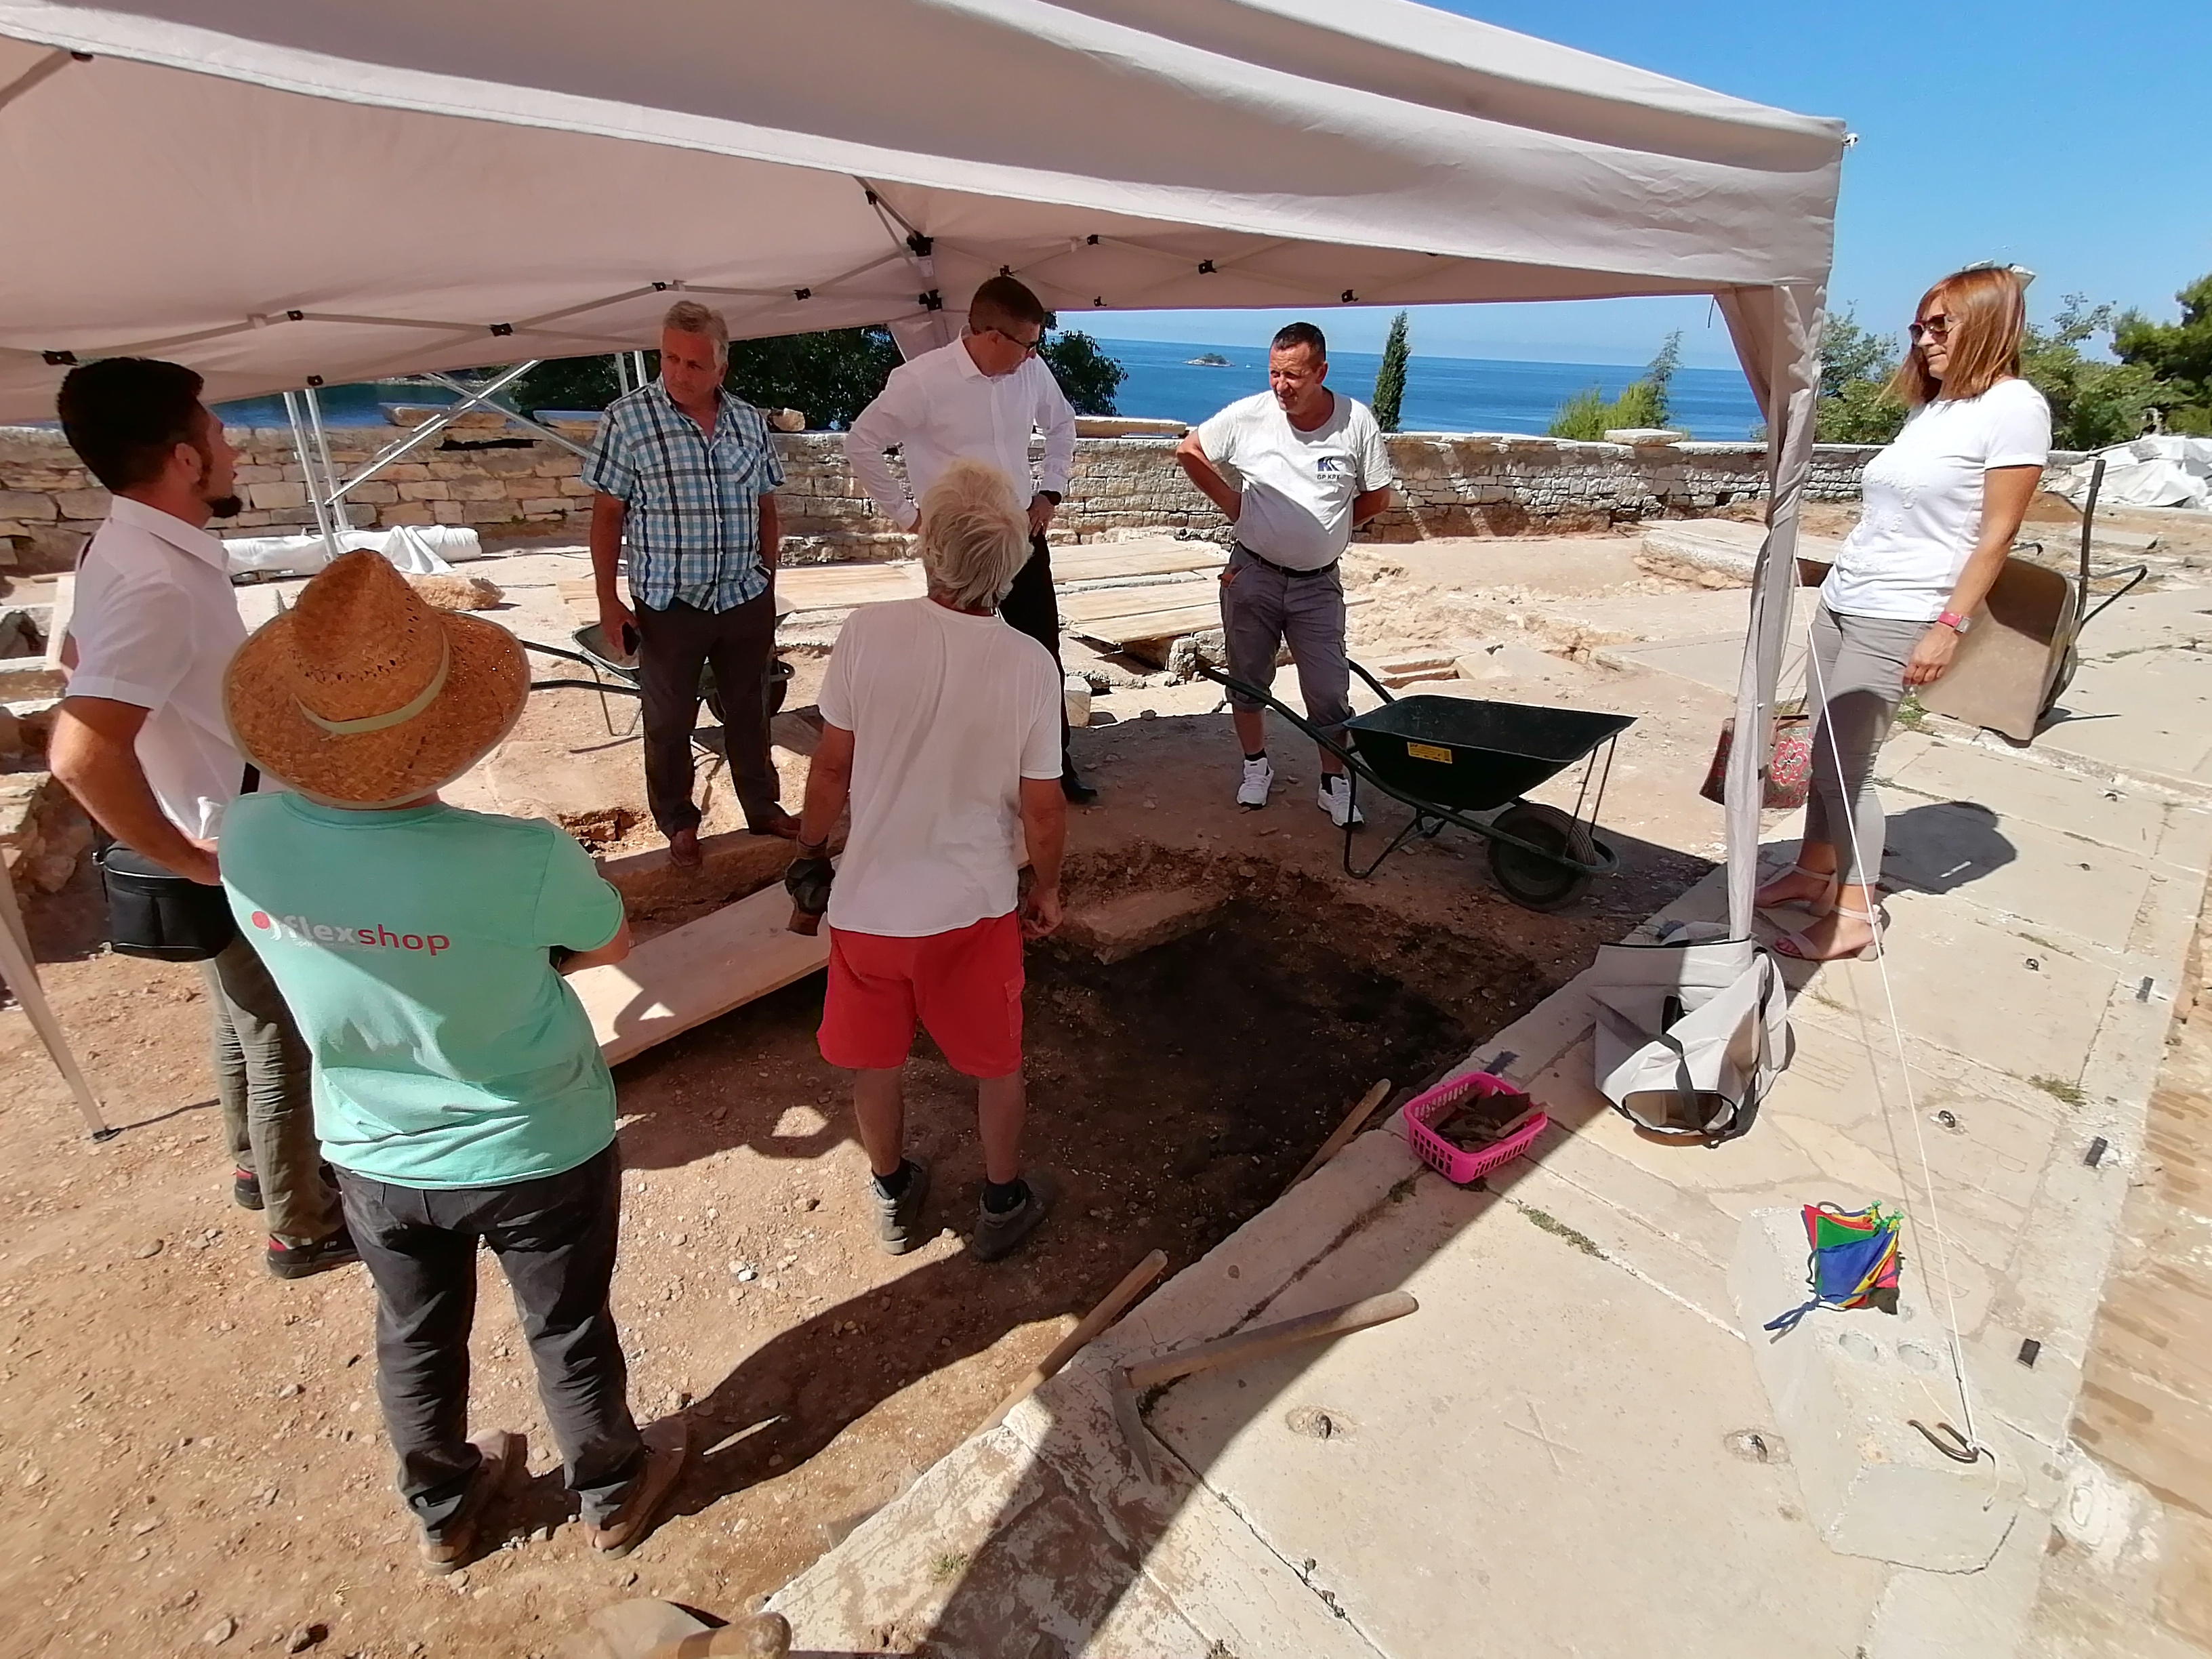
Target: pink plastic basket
1448 1160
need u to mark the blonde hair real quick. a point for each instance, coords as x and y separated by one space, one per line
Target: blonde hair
689 317
974 536
1987 311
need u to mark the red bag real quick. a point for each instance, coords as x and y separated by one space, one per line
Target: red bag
1787 777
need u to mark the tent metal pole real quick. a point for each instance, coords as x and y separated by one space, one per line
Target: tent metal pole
21 974
431 428
486 397
333 516
308 470
622 373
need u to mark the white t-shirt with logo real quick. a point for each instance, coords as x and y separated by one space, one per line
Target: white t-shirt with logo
1923 501
949 713
1298 487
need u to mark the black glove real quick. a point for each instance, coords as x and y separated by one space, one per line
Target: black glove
807 881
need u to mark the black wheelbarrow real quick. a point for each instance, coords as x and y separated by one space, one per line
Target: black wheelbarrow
1452 758
612 672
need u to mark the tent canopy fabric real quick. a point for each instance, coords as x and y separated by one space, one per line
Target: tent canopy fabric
283 192
271 189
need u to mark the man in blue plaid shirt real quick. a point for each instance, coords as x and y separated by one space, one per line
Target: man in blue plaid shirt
684 474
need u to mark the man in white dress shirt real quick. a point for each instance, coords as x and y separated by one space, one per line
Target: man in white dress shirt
142 741
982 397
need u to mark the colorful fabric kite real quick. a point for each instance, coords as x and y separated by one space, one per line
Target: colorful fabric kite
1854 1261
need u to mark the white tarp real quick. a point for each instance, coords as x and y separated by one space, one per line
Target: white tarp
276 190
418 550
2165 470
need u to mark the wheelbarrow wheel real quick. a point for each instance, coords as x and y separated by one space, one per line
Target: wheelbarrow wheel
2063 678
1538 884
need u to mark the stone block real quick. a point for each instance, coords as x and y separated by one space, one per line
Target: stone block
1119 926
430 489
405 472
375 493
476 490
407 512
449 512
1842 1387
501 511
277 496
27 506
547 506
83 503
574 486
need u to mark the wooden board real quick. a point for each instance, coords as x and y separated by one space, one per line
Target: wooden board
695 973
842 586
1102 561
1116 632
1139 597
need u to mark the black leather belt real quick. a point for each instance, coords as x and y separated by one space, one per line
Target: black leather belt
1318 570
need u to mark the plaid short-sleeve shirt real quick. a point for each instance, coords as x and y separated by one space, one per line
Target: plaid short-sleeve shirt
692 530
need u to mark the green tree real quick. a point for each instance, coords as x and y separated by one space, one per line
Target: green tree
1855 406
1643 402
2178 354
1087 375
2093 403
1390 378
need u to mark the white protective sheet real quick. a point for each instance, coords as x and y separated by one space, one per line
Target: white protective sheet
2164 470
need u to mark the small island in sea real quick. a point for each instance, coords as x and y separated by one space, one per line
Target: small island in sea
1209 360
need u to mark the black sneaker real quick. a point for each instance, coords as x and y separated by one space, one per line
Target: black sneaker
1079 792
1000 1232
300 1260
898 1221
245 1189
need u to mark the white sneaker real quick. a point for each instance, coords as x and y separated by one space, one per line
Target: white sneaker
1259 778
1336 800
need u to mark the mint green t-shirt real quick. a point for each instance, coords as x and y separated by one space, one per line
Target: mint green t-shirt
412 947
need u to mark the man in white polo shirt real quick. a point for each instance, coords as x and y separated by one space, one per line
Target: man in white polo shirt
980 398
1310 469
142 741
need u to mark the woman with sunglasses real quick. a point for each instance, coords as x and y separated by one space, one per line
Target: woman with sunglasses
1941 505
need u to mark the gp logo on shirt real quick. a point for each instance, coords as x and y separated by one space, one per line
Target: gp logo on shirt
375 937
1329 463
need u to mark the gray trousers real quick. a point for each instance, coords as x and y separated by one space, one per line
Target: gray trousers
1860 676
1264 608
261 1081
554 1238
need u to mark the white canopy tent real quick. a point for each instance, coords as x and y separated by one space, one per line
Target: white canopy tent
287 192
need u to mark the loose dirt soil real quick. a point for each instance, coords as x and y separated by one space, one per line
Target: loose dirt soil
190 1447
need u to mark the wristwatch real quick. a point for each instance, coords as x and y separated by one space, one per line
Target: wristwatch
1955 622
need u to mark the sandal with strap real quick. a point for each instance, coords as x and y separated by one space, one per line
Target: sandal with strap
1799 948
1819 905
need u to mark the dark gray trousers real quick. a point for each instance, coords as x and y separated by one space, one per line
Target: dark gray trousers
1032 607
262 1083
673 645
554 1239
1264 608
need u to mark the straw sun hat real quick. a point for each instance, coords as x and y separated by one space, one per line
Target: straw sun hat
362 694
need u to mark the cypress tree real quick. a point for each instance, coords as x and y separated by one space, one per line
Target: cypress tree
1390 378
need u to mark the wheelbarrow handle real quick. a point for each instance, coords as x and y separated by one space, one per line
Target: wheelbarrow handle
620 688
561 652
1380 689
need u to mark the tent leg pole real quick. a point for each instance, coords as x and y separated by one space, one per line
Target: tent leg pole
21 976
333 517
307 472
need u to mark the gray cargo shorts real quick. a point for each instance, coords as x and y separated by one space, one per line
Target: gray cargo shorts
1263 609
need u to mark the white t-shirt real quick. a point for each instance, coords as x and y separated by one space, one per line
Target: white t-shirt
1923 501
1298 487
155 623
949 713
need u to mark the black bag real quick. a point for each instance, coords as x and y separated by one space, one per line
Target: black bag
152 911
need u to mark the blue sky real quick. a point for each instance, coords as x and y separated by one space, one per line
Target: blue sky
2068 138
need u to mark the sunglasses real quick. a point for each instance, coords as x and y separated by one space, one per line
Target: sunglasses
1029 348
1937 327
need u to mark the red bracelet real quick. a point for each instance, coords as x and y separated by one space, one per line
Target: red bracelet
1954 620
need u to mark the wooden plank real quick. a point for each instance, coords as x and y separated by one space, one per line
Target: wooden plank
843 586
1144 596
695 973
1115 632
1096 561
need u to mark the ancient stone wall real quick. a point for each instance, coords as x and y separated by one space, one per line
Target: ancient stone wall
484 474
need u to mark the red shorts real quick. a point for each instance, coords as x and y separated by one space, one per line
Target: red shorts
965 986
